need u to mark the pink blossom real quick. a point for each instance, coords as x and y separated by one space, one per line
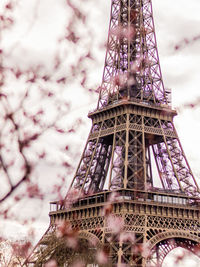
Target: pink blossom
180 257
21 249
51 263
124 237
93 241
119 79
113 197
72 241
72 196
142 249
107 209
64 230
115 223
146 252
102 257
124 32
148 186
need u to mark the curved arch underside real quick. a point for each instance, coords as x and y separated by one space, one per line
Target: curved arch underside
164 247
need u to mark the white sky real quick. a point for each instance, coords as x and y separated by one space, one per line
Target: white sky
41 22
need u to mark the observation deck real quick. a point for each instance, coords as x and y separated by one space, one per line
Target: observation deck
154 202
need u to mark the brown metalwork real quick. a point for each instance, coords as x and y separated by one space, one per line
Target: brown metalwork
133 150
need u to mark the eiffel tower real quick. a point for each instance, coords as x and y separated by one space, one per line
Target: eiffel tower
132 151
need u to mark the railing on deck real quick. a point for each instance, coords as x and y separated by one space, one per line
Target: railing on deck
136 101
127 195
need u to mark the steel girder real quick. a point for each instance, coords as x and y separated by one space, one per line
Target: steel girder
132 68
122 146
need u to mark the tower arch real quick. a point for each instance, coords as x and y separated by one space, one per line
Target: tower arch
91 238
168 241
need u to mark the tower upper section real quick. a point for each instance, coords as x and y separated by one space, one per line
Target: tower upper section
132 69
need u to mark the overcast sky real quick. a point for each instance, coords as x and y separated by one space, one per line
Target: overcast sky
39 24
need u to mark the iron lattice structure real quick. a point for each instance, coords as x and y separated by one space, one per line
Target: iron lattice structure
133 149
